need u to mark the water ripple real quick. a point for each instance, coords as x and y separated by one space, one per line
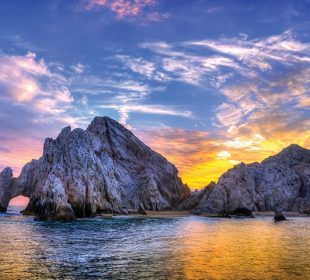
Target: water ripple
157 248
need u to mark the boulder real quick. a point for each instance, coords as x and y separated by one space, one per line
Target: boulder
278 216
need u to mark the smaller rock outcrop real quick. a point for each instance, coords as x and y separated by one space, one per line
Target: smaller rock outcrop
279 216
281 181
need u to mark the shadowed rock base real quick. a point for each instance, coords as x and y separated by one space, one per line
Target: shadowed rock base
278 216
242 212
141 210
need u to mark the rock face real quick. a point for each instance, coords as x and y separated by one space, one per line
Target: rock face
6 182
281 181
104 168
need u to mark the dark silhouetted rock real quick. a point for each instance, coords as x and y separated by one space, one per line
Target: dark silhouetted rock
306 211
278 216
195 212
242 212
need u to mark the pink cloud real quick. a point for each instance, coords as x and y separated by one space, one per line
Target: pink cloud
29 81
20 150
17 76
127 8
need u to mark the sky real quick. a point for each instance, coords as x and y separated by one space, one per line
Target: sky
208 84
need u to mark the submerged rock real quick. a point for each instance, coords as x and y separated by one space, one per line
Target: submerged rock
278 216
103 169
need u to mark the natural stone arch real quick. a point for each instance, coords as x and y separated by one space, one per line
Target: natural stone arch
10 189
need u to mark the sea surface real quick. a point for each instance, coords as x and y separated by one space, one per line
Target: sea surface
154 248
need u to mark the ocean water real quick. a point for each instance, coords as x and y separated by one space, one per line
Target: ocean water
154 248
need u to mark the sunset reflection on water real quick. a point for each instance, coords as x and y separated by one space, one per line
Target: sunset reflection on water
245 249
179 248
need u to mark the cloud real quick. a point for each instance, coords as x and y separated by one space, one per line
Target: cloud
262 88
104 85
215 62
223 155
198 155
128 9
143 67
78 68
34 103
124 110
259 53
125 96
228 114
183 65
265 86
202 156
28 80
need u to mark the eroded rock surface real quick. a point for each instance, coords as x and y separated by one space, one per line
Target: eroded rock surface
104 168
6 182
281 181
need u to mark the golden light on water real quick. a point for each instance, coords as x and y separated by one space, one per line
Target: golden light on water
241 249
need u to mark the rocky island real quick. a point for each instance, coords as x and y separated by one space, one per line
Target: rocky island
280 182
106 169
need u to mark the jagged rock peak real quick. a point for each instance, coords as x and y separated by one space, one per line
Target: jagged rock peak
6 173
101 124
290 155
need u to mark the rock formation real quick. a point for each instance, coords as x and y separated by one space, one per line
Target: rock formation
104 168
279 216
281 181
6 182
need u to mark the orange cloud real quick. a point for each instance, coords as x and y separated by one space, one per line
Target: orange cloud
193 152
202 158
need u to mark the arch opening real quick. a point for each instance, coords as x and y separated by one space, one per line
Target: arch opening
18 203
